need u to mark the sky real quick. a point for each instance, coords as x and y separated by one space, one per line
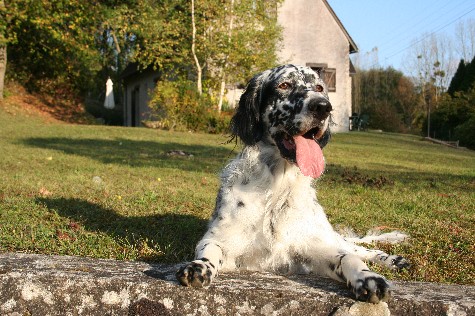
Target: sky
393 25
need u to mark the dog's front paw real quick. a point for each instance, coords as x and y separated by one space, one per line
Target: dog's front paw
398 263
195 274
371 287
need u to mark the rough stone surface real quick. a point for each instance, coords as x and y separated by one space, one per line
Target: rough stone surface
57 285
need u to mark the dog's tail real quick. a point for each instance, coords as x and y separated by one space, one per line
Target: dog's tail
374 235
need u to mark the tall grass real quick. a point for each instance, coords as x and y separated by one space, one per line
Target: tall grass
112 192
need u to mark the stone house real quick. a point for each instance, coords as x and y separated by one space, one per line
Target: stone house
313 36
137 88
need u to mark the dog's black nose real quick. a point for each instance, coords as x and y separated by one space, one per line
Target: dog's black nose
320 106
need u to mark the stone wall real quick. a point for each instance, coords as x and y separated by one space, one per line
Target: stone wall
311 35
57 285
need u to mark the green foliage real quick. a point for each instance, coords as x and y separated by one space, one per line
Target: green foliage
83 43
453 119
456 82
465 132
53 39
245 48
157 32
468 77
388 97
464 78
450 113
178 106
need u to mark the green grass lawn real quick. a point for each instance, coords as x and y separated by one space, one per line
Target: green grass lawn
112 192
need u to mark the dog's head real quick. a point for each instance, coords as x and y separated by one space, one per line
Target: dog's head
287 107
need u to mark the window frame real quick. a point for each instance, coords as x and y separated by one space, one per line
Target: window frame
327 74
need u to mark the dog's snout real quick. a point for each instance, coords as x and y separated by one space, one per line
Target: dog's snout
320 106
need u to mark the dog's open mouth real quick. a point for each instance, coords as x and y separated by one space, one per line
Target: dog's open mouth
313 134
304 150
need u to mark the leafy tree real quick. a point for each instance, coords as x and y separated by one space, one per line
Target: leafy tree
465 132
456 82
158 31
69 45
408 103
454 118
463 79
236 38
468 77
445 118
51 39
79 44
388 97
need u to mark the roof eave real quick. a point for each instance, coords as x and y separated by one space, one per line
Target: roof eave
353 47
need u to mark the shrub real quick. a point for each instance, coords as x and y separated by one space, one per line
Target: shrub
178 106
454 118
465 133
218 123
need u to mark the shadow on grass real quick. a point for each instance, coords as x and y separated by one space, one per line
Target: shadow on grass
172 236
137 153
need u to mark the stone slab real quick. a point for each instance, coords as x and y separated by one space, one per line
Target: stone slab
63 285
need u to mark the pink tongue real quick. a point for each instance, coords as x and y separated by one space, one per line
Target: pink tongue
309 157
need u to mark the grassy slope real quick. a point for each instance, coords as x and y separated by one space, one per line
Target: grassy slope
113 192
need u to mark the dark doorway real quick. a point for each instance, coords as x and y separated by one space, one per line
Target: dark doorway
135 106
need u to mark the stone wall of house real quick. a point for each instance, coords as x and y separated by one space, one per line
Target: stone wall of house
313 36
143 83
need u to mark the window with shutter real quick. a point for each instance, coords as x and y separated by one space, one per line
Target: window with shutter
327 74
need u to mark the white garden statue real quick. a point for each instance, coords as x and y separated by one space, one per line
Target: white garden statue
109 100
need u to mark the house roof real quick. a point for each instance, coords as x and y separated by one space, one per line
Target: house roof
130 69
353 47
133 69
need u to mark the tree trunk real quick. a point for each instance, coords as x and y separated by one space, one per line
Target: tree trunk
117 47
223 69
199 85
221 92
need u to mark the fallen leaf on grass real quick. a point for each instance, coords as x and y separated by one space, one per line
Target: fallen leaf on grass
64 236
44 192
74 226
385 227
446 195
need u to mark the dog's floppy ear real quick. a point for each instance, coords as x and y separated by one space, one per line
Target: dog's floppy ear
245 123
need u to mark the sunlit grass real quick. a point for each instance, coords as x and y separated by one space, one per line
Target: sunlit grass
113 192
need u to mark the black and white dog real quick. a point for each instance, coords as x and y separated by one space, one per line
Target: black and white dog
267 216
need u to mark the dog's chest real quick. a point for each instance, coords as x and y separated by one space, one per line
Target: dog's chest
269 204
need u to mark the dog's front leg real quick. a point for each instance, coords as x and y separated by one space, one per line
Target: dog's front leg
346 267
223 242
232 229
201 271
367 285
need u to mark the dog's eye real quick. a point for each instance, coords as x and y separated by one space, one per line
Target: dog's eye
285 86
319 88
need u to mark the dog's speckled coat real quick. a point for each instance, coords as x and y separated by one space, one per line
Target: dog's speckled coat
267 216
